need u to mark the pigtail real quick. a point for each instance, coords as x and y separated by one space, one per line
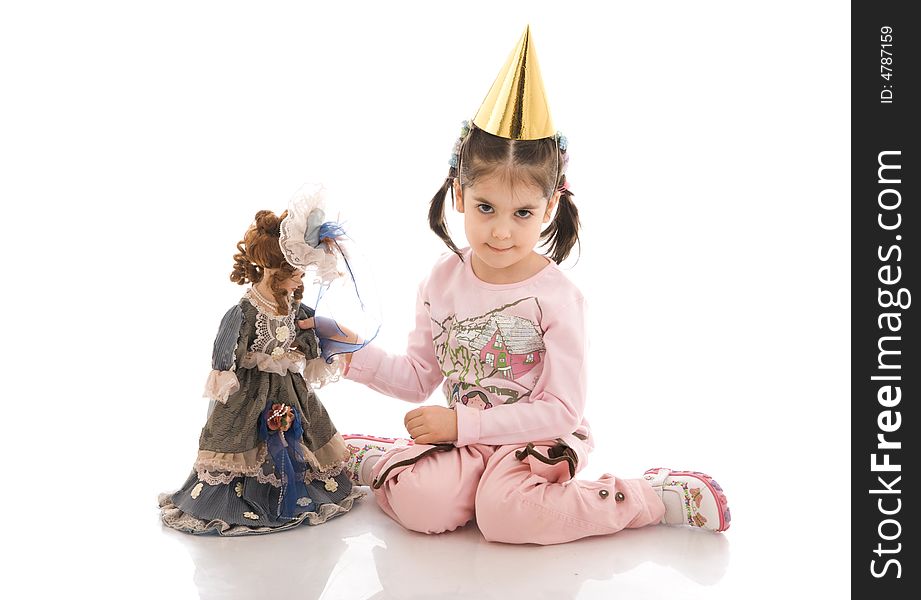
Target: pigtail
437 213
563 232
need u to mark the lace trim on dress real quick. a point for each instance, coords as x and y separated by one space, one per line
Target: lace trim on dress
272 331
173 516
318 372
233 464
267 478
227 478
220 385
328 456
327 461
324 475
222 467
279 364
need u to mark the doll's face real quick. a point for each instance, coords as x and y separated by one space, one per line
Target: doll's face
292 283
503 219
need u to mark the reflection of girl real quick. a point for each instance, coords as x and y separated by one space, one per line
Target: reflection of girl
269 456
499 312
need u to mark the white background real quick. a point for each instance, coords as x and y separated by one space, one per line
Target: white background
710 161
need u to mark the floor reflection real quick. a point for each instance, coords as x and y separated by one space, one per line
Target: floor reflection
364 555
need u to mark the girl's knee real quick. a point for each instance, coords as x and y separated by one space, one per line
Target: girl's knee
421 504
501 508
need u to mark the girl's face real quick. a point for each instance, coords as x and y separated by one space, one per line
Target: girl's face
503 221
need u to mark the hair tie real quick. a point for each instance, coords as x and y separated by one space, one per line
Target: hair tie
455 152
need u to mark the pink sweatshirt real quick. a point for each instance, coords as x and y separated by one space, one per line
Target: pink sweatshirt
511 358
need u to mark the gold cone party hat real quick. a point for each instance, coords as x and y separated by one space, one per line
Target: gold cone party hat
516 106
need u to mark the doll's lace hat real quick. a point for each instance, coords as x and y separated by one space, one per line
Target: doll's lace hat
320 247
305 234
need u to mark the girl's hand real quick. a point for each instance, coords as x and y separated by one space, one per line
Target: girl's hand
329 329
431 425
350 337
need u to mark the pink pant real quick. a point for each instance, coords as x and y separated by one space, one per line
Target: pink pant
514 501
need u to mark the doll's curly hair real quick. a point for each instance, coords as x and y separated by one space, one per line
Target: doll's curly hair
259 250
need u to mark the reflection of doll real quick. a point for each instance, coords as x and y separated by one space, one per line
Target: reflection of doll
269 456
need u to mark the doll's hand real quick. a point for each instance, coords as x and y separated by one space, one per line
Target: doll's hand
431 425
306 323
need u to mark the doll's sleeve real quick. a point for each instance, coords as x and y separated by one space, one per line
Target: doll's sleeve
321 368
412 376
557 399
222 381
306 340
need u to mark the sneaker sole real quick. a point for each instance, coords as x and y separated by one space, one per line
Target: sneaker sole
713 486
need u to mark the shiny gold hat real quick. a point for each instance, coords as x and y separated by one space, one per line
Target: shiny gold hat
516 106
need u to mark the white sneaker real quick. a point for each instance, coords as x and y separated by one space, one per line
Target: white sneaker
691 498
363 447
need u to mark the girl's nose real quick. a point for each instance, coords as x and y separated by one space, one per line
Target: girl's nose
501 233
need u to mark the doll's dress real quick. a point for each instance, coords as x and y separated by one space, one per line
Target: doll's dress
252 474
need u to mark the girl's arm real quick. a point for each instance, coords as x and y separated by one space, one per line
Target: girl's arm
222 381
411 377
557 400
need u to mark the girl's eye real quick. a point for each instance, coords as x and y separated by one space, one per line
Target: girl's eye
485 209
523 214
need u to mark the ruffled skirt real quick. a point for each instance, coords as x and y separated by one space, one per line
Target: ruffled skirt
251 478
246 507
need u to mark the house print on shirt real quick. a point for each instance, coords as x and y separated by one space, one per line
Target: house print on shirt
511 345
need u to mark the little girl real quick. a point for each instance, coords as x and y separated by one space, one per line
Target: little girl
502 329
269 456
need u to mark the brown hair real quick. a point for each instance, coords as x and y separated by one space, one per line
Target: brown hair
538 162
259 250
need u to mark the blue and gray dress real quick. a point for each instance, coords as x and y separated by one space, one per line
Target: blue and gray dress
269 456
